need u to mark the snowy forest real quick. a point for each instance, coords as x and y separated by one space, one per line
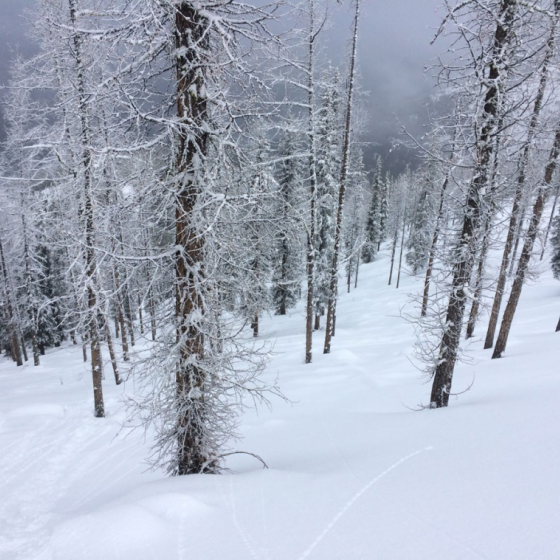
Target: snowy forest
207 268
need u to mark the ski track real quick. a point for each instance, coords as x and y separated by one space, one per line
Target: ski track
43 474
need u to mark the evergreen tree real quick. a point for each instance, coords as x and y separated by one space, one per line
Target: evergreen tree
328 171
287 259
373 222
419 239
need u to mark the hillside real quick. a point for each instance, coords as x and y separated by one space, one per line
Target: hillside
355 472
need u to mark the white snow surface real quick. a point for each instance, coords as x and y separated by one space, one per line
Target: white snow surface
354 472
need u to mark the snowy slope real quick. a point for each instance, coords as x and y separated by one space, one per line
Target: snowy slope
354 472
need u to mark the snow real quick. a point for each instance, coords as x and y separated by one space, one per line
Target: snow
354 471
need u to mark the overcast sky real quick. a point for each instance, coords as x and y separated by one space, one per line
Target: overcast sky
394 48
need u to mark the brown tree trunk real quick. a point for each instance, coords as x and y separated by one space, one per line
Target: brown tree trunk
191 38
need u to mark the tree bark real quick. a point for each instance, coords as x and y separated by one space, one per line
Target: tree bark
191 39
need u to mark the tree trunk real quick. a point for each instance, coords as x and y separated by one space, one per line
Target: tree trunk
120 315
140 315
311 255
91 267
112 354
333 287
393 252
191 38
402 247
473 316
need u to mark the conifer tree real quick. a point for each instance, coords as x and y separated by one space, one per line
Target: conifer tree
418 242
328 170
372 234
287 257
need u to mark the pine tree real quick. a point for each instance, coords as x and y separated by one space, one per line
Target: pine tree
287 265
418 242
373 222
328 170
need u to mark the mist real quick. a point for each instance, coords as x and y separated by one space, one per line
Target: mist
394 51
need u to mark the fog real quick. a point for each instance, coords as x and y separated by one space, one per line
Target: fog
394 49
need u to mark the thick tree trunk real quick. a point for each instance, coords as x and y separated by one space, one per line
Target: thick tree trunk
191 39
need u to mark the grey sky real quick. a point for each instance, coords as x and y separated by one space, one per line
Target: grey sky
394 48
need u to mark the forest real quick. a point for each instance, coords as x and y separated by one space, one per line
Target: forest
189 225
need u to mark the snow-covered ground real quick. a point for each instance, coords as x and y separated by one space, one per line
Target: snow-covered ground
354 472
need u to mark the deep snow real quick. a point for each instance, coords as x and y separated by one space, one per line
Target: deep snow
354 472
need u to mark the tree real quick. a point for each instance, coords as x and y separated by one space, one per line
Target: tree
287 267
333 285
521 186
496 66
197 376
418 242
373 222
